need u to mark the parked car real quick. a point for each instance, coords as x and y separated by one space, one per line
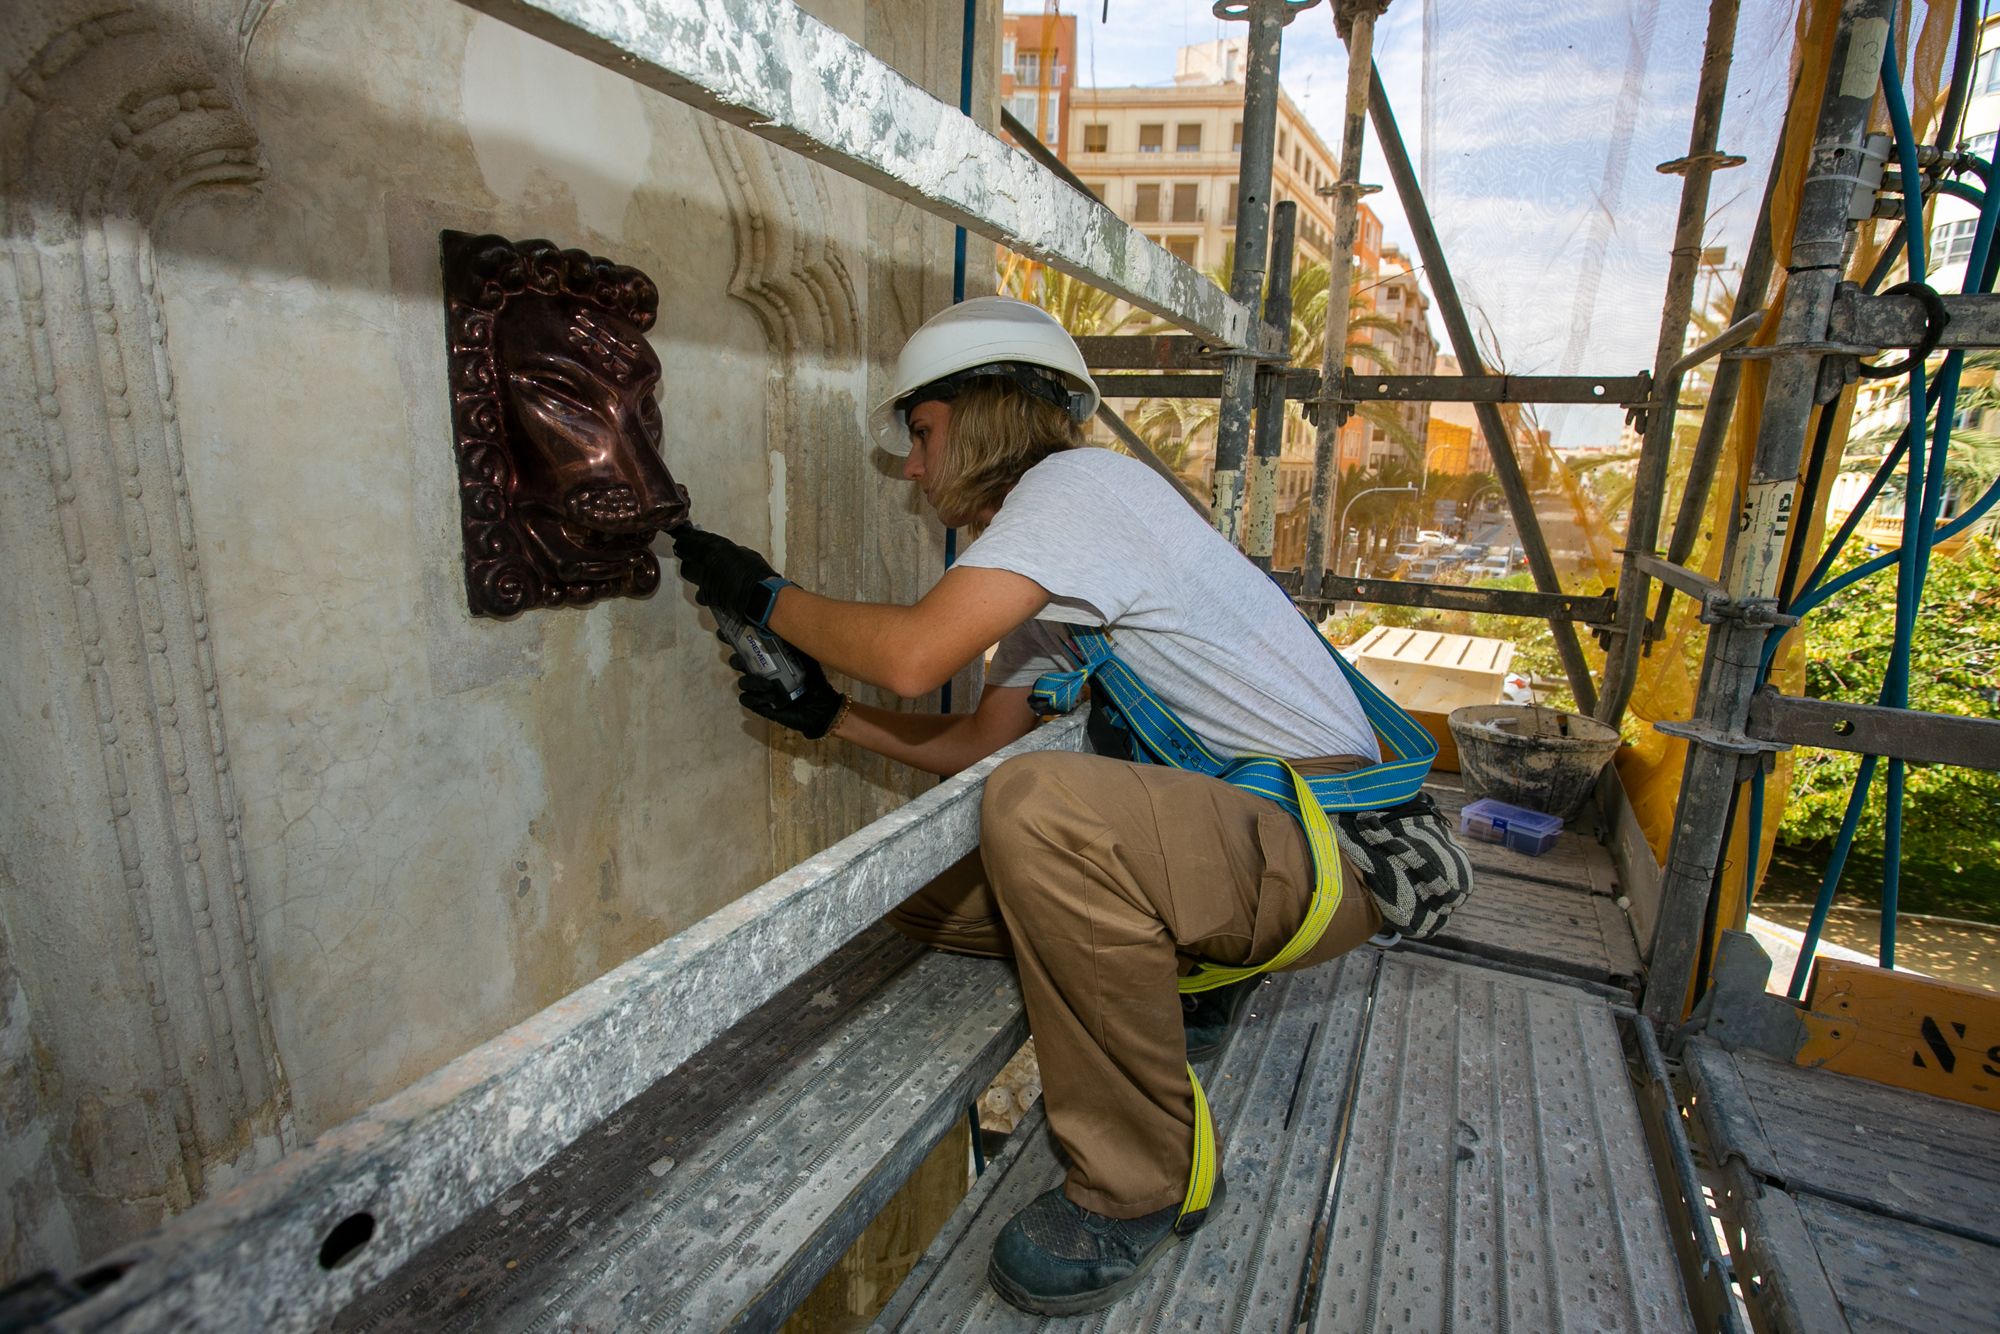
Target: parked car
1421 569
1489 569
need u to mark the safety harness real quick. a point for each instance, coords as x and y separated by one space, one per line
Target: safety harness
1158 736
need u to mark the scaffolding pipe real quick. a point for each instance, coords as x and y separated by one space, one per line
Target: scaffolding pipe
1260 524
1267 20
1642 531
1506 468
1719 745
1360 37
1750 290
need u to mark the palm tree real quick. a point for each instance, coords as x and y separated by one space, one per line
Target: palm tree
1174 426
1078 307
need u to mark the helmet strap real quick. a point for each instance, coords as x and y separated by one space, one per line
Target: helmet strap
1032 380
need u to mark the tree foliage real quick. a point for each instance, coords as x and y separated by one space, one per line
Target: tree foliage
1951 836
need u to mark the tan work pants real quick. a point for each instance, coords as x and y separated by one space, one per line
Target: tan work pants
1106 880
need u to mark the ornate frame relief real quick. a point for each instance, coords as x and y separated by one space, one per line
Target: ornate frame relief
556 424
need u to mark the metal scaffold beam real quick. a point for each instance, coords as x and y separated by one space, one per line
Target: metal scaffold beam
1720 746
1267 19
1260 524
767 66
405 1172
1360 35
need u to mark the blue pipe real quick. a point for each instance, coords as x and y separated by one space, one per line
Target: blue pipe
1835 864
1923 502
1976 198
1909 571
968 30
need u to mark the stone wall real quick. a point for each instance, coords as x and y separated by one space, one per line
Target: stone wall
282 827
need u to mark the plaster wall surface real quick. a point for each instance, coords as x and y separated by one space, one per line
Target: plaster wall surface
416 828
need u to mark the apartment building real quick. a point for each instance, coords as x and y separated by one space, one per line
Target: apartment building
1408 349
1456 445
1166 158
1038 73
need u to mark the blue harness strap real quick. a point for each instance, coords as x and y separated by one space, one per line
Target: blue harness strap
1160 737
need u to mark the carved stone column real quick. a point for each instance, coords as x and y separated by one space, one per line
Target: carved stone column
137 1011
835 316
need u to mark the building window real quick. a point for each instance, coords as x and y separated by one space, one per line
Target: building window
1054 136
1152 138
1096 189
1986 75
1187 205
1951 242
1146 203
1981 145
1182 248
1097 138
1229 217
1023 107
1187 138
1028 68
1007 53
1236 137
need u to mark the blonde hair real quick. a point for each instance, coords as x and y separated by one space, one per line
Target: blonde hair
997 432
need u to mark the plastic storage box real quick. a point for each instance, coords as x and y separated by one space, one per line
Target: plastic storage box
1519 828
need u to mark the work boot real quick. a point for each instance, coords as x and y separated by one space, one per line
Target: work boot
1058 1258
1208 1015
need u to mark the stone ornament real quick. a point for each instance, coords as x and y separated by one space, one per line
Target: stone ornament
556 424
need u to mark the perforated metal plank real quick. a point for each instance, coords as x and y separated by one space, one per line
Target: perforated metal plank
1565 931
1496 1175
1929 1160
725 1191
1889 1274
1279 1093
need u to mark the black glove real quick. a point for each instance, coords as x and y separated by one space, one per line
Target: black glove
812 714
726 576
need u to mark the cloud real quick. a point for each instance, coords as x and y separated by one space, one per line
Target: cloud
1516 144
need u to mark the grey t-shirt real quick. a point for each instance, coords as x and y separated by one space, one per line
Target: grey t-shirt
1206 630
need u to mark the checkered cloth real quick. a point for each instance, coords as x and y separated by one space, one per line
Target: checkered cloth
1412 865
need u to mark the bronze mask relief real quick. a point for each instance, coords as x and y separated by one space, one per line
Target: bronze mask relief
556 423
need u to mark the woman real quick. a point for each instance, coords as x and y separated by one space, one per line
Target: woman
1108 881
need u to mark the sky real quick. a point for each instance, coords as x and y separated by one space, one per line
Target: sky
1536 127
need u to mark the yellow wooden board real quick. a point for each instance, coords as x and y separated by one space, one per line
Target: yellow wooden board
1903 1030
1435 724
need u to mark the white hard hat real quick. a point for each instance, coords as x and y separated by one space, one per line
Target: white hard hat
988 335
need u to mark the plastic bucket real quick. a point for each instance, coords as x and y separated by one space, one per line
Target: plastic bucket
1526 755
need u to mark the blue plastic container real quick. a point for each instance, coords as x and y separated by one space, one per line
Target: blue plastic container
1493 821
